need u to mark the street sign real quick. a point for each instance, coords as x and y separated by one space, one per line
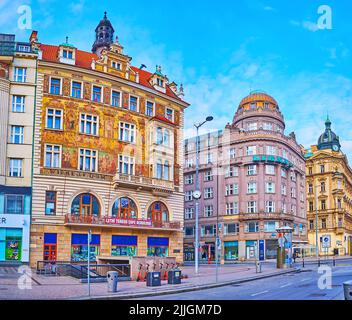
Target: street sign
326 241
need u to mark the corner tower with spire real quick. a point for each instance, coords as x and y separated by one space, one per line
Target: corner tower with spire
104 35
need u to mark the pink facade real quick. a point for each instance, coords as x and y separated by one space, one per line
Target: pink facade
252 181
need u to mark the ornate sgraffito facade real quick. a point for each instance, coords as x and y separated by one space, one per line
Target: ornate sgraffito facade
18 62
329 194
107 158
253 181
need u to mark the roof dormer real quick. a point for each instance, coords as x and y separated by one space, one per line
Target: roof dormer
158 80
67 53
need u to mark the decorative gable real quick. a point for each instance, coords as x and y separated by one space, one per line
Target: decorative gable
67 53
159 81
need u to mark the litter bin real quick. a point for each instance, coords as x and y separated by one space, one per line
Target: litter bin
113 278
347 286
258 267
154 279
174 277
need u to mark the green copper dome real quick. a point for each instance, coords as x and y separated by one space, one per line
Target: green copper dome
329 140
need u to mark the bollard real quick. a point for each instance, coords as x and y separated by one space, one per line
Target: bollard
303 263
347 286
319 262
334 262
112 277
258 267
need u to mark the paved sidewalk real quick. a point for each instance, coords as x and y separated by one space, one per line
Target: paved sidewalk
52 288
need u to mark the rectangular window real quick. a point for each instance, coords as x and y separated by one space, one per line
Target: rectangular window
208 230
122 245
232 153
96 94
269 206
157 247
231 171
127 132
17 134
208 193
133 103
169 114
20 74
76 91
189 213
270 226
268 126
18 103
323 223
251 207
208 211
208 176
252 126
322 169
252 187
231 228
251 150
116 65
88 124
231 208
52 156
55 86
270 187
67 54
149 109
311 224
50 203
189 179
126 165
115 98
14 204
271 150
283 190
283 173
251 227
188 196
54 119
15 167
269 169
251 170
88 160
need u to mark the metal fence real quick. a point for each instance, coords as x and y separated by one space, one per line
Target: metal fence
80 271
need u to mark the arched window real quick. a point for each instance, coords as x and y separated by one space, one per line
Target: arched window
85 204
124 208
158 212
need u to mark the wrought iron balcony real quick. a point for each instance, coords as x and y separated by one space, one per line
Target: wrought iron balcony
114 222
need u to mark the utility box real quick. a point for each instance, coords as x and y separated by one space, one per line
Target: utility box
113 278
174 277
347 287
154 279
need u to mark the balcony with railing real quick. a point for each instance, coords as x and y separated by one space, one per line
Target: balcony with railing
121 179
115 222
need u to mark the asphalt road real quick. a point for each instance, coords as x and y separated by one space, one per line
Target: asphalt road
295 286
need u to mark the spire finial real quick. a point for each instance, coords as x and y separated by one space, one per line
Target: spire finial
328 122
105 13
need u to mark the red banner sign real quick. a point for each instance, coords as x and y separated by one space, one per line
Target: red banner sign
129 222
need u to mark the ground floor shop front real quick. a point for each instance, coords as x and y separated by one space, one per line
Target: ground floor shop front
62 243
233 250
331 243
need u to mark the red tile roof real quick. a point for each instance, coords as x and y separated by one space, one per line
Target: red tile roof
84 60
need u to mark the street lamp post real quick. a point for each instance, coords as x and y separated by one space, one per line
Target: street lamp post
88 271
197 195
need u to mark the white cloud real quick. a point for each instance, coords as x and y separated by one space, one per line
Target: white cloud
308 25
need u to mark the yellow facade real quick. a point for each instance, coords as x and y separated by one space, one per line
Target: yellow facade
105 182
329 193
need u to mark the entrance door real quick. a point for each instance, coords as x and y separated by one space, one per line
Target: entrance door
50 252
250 252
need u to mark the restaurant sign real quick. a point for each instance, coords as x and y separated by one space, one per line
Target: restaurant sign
129 222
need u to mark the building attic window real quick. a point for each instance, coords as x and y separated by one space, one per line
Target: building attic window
67 53
159 80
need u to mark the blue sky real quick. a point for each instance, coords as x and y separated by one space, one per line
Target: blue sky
221 50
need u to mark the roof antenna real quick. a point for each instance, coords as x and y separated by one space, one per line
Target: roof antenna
142 66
